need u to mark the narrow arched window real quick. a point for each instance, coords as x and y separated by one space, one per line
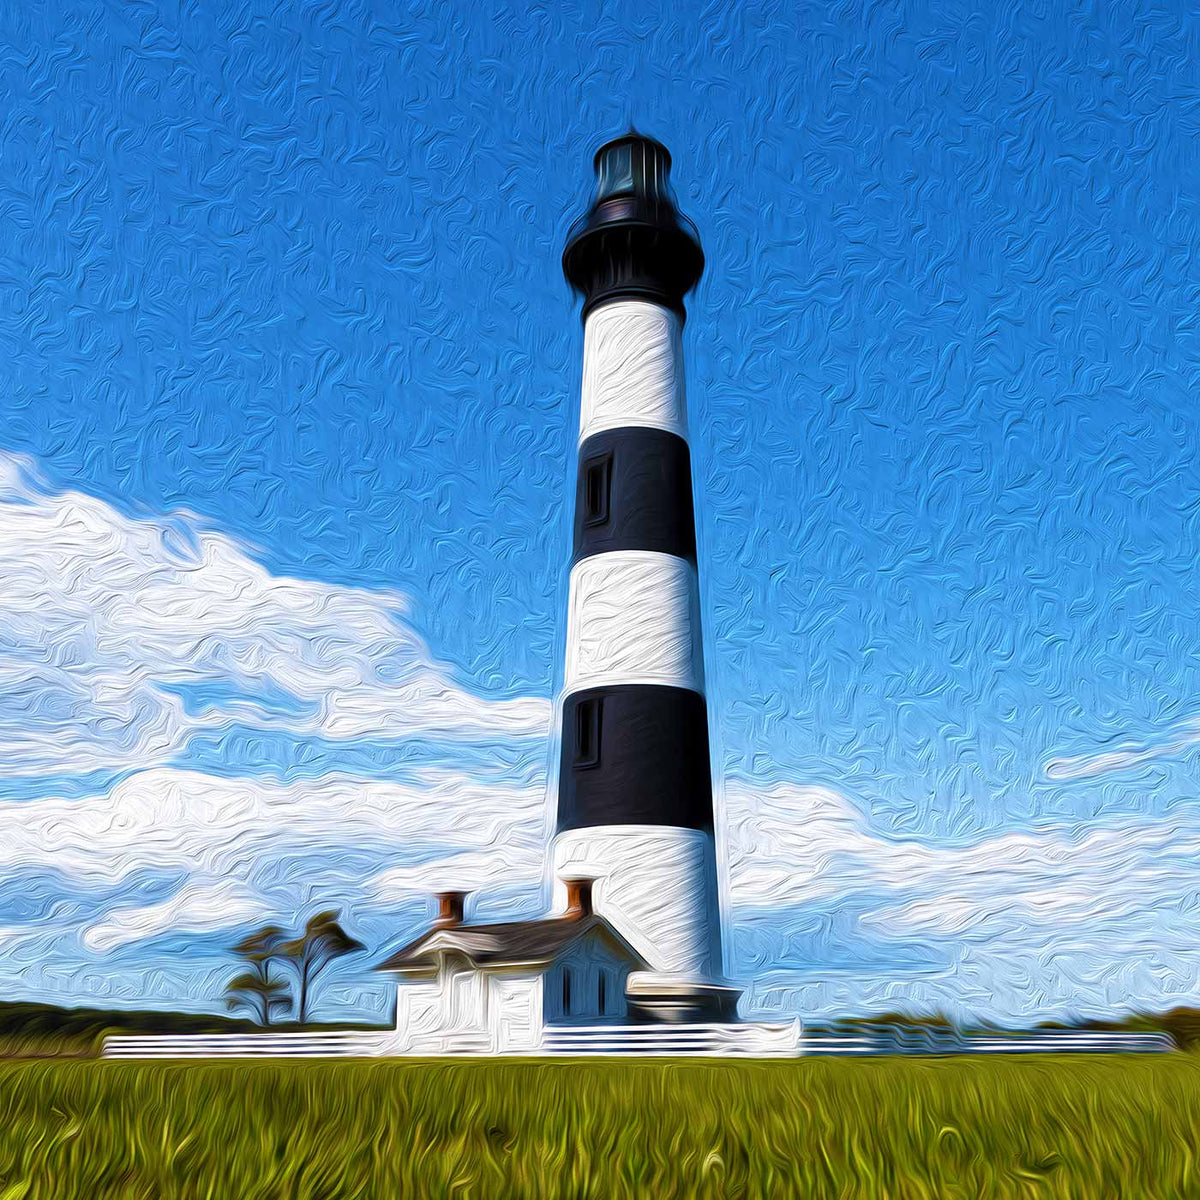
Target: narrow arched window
597 488
600 989
587 732
566 991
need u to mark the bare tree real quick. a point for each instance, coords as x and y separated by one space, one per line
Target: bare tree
261 996
256 989
322 941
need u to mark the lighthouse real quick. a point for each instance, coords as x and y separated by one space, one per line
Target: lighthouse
635 808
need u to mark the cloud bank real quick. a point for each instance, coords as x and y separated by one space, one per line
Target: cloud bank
120 638
1061 918
1109 762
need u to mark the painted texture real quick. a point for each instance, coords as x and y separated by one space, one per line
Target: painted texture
632 370
657 885
634 623
467 1010
288 384
1077 1128
634 618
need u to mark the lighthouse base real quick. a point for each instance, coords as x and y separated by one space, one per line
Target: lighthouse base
666 1002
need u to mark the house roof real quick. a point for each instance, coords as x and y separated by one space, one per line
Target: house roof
510 942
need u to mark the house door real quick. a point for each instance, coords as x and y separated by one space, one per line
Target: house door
513 1010
418 1017
463 1002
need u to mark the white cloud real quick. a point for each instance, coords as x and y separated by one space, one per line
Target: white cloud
196 908
250 850
791 849
796 845
791 845
171 819
505 867
1033 922
1091 766
1061 919
101 615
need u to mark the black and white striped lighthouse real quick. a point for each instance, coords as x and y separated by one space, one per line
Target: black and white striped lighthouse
635 810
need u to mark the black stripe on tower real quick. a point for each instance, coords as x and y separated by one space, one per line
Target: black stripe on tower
635 754
634 493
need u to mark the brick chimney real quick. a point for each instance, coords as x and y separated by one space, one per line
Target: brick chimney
450 909
579 898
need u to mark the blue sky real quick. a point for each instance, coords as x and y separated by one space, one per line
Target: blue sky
288 390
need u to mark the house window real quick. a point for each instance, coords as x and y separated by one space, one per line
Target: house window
587 732
566 978
600 996
597 482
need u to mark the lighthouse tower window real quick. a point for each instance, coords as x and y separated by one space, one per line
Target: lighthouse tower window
587 733
600 996
597 482
566 996
617 172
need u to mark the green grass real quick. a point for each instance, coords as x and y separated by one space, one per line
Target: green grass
1028 1127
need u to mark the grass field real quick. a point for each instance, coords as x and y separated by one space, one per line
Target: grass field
1080 1127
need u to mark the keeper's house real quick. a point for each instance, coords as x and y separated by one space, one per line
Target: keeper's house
500 988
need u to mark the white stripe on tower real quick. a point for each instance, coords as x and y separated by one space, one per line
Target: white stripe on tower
635 786
632 370
634 618
658 885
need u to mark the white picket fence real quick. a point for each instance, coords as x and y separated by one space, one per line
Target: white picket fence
841 1045
1074 1042
745 1040
902 1041
249 1045
748 1040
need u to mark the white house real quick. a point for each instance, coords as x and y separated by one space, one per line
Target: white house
555 985
499 988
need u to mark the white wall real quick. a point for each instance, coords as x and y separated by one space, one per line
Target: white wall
419 1018
584 963
657 885
515 1012
492 1012
432 1013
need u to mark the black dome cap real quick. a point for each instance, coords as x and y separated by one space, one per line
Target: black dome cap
633 243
